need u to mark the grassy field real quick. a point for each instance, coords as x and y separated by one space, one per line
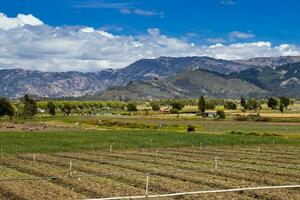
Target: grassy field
111 155
55 141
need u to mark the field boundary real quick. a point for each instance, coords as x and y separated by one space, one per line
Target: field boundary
199 192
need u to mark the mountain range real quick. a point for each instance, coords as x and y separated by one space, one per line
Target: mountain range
164 77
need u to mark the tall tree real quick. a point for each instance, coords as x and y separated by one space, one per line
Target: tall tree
201 104
6 108
272 103
285 101
243 102
51 108
30 106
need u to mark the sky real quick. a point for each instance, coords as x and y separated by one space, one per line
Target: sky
91 35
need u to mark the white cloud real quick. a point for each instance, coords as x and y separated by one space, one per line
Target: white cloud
240 35
68 48
21 20
216 40
142 12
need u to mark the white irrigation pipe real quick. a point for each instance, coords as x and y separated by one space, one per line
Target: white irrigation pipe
200 192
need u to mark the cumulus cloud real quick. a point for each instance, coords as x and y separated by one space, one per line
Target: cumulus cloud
21 20
39 46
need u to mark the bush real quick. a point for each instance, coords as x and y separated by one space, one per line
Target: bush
30 106
210 105
221 114
252 104
131 107
230 105
178 105
191 129
155 106
174 111
6 108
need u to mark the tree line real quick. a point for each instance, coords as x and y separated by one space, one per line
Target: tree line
28 107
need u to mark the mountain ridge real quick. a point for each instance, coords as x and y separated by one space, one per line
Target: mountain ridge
17 82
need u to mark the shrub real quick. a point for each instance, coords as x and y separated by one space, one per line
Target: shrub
30 106
155 106
221 114
6 108
230 105
131 107
178 105
174 111
51 108
210 105
191 129
252 104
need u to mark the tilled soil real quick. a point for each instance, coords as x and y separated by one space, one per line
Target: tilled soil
98 174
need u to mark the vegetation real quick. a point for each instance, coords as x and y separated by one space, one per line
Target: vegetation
6 108
201 104
177 104
221 114
29 106
252 104
230 105
272 103
155 106
51 108
58 141
131 107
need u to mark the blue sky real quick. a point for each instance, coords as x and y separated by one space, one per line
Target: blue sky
197 23
273 20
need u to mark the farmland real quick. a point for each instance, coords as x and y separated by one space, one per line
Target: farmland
109 154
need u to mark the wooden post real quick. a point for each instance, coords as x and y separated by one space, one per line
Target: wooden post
258 152
147 185
110 149
34 155
216 162
70 168
156 153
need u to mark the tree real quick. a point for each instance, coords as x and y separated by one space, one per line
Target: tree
201 104
30 106
221 114
243 102
155 106
281 108
210 105
6 108
51 108
272 103
177 105
252 104
67 108
285 101
131 106
230 105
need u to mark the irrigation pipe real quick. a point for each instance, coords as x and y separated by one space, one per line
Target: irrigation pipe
199 192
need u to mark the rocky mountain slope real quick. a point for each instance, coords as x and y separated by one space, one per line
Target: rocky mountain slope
191 83
165 76
272 62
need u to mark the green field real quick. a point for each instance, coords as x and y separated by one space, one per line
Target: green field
110 154
60 141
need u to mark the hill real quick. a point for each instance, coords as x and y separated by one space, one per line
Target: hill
191 83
